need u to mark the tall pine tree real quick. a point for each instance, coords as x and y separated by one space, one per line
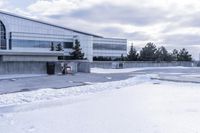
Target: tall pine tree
184 55
59 47
77 54
162 54
133 55
174 55
148 53
52 47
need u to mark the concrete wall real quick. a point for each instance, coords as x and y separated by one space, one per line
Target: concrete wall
108 64
83 67
22 67
77 66
40 67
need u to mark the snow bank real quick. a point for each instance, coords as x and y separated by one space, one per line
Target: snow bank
127 70
49 94
102 70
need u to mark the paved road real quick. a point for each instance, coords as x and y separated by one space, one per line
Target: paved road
60 81
56 82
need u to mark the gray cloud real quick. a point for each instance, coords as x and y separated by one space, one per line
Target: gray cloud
105 13
112 30
59 16
185 20
182 39
191 20
138 36
119 32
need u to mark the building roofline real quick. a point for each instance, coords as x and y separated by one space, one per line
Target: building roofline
42 22
112 38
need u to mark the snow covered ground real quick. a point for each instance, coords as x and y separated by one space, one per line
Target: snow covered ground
135 105
127 70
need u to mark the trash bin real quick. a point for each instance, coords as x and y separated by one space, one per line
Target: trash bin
121 65
50 68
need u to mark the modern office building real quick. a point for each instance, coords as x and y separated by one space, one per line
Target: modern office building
24 39
109 47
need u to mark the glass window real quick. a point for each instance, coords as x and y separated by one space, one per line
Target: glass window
38 43
68 44
30 43
101 46
2 36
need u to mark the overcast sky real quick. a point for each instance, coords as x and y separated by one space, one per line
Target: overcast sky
171 23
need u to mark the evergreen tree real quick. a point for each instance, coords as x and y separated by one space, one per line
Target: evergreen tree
148 53
122 58
59 47
184 55
132 55
174 55
162 54
52 47
77 54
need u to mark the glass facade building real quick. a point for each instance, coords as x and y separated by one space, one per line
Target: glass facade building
21 34
109 47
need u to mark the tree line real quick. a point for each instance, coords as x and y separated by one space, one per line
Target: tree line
151 53
148 53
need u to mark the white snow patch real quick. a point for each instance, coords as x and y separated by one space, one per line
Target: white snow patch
127 70
49 94
191 76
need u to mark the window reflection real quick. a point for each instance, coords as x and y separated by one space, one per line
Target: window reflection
99 46
2 36
38 44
